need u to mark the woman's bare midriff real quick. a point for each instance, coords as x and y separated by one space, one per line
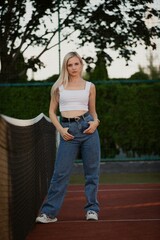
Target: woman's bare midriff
73 113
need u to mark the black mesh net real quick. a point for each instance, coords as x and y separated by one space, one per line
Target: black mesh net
27 156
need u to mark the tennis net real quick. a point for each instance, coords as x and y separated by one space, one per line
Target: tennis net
27 153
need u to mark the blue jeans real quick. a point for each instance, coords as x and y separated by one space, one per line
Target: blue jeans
89 147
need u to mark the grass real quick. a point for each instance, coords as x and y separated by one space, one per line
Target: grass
121 178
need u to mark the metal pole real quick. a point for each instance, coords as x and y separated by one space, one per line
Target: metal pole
59 36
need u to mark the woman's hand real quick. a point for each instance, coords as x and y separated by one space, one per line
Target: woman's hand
66 135
92 127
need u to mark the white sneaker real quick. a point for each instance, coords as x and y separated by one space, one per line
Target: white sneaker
43 218
91 215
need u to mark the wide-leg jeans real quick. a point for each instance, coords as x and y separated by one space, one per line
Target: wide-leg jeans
89 147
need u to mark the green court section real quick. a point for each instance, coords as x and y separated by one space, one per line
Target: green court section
120 178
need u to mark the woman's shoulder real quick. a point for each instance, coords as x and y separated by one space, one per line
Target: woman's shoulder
90 84
61 87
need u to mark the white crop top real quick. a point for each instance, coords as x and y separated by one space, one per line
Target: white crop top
74 99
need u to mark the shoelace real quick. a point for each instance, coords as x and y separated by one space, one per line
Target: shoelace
44 216
91 212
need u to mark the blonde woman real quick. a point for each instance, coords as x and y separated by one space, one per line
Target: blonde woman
76 100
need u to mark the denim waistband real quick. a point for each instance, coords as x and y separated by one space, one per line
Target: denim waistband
63 119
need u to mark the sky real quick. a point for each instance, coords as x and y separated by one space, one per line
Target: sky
118 69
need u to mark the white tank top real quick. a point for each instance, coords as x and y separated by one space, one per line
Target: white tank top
74 99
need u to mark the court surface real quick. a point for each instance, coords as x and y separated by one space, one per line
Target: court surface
128 212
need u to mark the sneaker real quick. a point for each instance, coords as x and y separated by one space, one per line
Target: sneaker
43 218
91 215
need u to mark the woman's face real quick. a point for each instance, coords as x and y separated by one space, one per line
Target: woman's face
74 67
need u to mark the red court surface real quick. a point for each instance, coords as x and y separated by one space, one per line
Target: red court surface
128 212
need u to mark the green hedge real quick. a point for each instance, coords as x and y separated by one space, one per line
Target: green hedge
24 102
130 118
129 114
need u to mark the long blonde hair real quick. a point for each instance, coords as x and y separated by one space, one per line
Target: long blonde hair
64 77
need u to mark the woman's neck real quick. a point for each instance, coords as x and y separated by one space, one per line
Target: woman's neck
76 83
75 79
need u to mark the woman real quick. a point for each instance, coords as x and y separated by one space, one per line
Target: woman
75 98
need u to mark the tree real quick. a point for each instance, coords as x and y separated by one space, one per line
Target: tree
140 75
118 24
151 71
153 68
20 69
100 71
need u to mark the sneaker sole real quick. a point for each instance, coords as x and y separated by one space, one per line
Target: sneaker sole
41 221
91 219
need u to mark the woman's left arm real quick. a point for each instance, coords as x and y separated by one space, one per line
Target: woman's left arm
92 110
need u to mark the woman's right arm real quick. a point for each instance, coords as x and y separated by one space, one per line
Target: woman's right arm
53 116
52 113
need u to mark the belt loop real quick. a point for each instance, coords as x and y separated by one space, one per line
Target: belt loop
85 115
77 119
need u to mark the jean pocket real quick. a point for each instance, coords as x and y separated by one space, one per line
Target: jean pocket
89 118
65 124
84 126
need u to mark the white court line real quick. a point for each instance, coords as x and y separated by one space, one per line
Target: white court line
117 190
114 220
